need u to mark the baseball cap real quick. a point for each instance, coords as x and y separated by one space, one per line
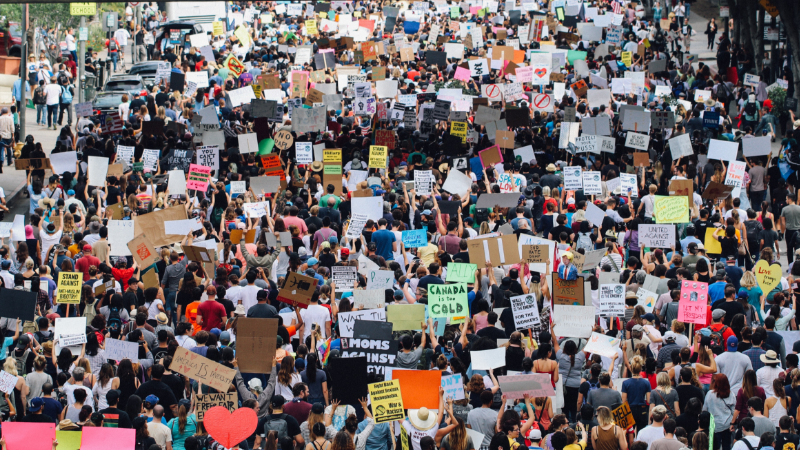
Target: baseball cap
637 328
278 401
112 396
152 399
225 336
317 408
398 294
718 314
345 252
313 261
733 343
534 434
36 404
650 317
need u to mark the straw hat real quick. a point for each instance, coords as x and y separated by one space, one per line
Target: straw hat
422 419
47 201
316 166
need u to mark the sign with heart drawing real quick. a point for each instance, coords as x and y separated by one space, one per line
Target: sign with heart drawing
230 429
767 276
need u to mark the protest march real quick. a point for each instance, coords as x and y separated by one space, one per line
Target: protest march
412 225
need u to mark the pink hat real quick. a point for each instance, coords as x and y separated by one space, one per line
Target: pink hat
28 232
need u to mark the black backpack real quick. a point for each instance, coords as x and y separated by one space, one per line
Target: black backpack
114 323
753 228
750 108
717 340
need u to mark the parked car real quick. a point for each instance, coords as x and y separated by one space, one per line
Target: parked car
106 102
124 83
147 70
11 39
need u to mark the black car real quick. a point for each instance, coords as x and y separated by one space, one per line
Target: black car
107 102
147 70
124 83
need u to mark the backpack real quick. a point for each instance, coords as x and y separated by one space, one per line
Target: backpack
20 361
114 323
281 65
90 311
678 89
62 78
718 340
481 215
66 95
278 424
585 242
753 228
750 108
112 45
723 93
592 386
39 97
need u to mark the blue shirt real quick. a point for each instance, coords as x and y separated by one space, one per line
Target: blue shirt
7 342
636 388
380 438
688 240
383 239
716 291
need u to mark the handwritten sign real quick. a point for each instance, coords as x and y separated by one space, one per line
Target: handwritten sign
612 300
448 300
768 276
415 238
199 177
623 416
671 209
568 292
461 272
535 385
657 236
453 386
692 306
202 370
69 287
535 253
526 311
208 401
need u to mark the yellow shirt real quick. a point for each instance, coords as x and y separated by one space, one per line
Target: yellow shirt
579 445
428 254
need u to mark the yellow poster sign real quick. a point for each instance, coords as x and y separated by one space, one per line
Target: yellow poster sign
243 36
772 10
672 209
82 9
378 155
712 245
69 287
311 27
627 58
332 155
458 129
219 28
387 404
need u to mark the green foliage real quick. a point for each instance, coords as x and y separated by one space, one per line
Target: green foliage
778 97
53 14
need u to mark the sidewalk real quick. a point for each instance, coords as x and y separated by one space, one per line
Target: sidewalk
12 182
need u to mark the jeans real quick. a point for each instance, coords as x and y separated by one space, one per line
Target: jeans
141 50
688 10
65 107
722 439
790 248
74 54
172 309
641 414
711 41
52 114
41 114
114 58
5 144
756 197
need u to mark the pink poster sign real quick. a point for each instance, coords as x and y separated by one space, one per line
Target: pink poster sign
98 438
462 74
199 177
535 385
29 436
693 303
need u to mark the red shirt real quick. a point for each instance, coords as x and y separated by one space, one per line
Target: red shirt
213 313
83 264
725 335
123 275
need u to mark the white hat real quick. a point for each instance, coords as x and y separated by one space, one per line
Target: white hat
422 419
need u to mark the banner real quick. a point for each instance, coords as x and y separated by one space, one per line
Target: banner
693 303
448 300
69 287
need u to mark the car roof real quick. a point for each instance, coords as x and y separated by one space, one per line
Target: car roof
178 24
135 77
147 64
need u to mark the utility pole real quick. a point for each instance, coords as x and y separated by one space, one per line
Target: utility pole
23 72
81 62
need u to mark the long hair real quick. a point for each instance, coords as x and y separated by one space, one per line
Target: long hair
311 368
571 349
287 368
182 415
476 384
777 387
458 437
604 416
664 382
106 373
134 406
720 385
700 440
749 383
272 441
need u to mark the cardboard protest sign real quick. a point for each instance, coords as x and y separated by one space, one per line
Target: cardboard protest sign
256 341
574 321
623 417
152 225
298 290
207 401
406 317
568 292
202 370
419 388
499 250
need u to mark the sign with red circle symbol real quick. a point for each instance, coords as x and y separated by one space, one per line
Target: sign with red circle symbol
493 92
542 102
134 4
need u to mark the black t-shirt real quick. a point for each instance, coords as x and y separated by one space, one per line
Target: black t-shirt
183 299
159 352
135 105
463 256
114 195
786 441
262 311
161 98
175 383
36 418
171 57
492 333
587 385
686 392
507 320
556 232
166 397
293 428
731 309
115 417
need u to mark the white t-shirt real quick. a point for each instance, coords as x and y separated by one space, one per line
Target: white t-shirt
650 433
248 296
122 36
152 310
315 314
71 43
53 93
49 240
415 435
740 445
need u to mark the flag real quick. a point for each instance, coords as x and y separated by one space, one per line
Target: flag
617 7
324 350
